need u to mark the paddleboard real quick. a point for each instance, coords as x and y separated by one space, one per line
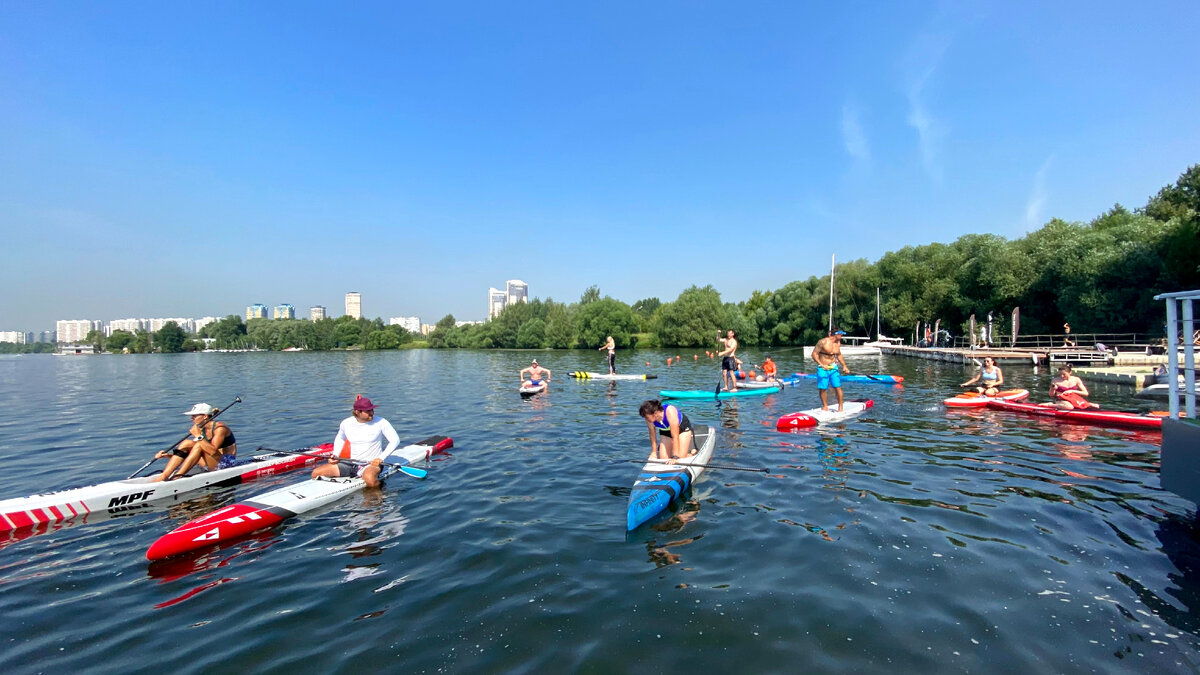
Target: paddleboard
584 375
692 394
271 508
660 483
877 379
1104 418
973 399
526 392
806 419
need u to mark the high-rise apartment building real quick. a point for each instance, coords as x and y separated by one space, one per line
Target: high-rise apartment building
354 305
13 336
129 325
411 324
188 325
316 313
257 311
497 299
75 330
201 323
517 291
285 311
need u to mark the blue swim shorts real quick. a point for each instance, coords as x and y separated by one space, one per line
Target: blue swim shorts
829 377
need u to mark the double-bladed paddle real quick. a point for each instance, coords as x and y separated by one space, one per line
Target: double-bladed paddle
236 400
706 466
307 452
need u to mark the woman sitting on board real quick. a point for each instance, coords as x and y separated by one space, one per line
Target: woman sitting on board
990 378
674 427
211 442
1068 391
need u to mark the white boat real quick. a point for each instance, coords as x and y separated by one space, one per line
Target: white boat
860 346
23 512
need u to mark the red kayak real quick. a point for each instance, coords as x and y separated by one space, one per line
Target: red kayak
1104 418
974 399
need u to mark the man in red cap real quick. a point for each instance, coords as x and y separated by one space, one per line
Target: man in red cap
360 439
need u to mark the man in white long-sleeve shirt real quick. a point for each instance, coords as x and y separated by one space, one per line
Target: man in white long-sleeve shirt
360 439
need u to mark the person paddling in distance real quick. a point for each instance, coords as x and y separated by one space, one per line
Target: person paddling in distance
729 361
211 443
671 437
537 375
360 438
769 371
989 377
1068 391
830 367
611 346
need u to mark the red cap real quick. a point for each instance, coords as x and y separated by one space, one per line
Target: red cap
363 403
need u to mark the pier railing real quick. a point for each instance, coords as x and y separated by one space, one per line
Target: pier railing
1181 304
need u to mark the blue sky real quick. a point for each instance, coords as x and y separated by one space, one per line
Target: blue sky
189 159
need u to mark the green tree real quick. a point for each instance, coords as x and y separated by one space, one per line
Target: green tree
382 339
592 294
119 340
532 334
95 338
439 337
595 321
692 320
170 338
140 343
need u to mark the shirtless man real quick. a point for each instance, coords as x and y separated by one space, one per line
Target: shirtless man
729 361
830 366
537 375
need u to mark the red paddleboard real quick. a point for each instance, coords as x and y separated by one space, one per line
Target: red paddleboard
810 418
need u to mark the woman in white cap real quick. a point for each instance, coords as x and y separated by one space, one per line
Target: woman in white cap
211 442
360 439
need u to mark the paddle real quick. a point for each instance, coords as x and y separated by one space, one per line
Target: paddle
236 400
706 466
307 452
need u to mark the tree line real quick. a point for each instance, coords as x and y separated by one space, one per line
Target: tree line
267 334
1099 276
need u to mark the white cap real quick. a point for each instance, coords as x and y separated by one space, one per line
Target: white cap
200 409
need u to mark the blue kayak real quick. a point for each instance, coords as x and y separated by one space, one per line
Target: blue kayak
660 483
693 394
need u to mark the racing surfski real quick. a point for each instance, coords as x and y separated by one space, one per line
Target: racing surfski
274 507
661 483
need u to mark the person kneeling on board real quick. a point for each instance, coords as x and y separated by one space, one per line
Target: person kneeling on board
673 426
360 439
990 378
211 442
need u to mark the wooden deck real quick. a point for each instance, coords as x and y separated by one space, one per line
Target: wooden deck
1006 357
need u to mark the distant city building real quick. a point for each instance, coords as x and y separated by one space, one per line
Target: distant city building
130 325
459 324
517 291
14 336
154 325
75 330
201 323
497 299
285 311
411 324
427 328
354 305
258 311
41 336
316 313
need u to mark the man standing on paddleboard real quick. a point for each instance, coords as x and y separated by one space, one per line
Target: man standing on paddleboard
729 361
360 439
830 366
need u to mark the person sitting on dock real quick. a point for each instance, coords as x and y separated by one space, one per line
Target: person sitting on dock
1067 341
1068 391
674 428
990 378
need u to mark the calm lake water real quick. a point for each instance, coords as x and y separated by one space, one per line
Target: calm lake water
913 539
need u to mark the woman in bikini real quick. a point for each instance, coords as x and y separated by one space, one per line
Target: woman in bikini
211 442
1068 391
674 428
990 378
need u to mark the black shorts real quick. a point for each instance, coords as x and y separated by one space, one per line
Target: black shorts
728 363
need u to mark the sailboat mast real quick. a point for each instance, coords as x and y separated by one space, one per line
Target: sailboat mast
832 267
878 318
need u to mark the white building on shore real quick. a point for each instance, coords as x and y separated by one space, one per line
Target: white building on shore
411 324
75 330
13 336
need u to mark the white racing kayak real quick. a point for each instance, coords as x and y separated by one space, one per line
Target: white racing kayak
660 483
23 512
270 509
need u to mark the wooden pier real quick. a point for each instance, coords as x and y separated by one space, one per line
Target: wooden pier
1007 357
